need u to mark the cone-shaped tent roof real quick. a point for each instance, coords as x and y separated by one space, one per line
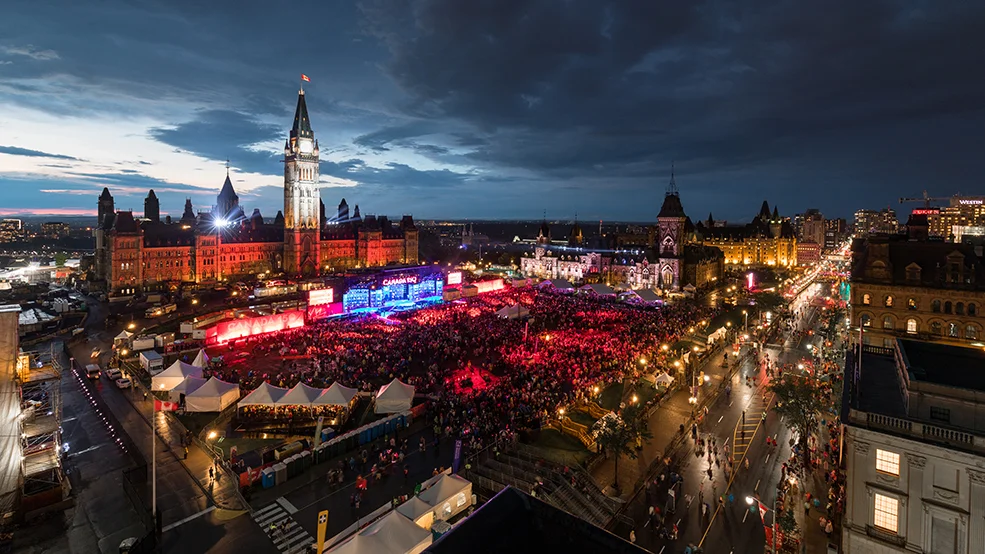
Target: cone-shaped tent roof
264 395
189 385
213 396
172 376
394 397
300 395
336 395
202 359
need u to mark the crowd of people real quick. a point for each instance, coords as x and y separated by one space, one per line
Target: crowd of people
532 367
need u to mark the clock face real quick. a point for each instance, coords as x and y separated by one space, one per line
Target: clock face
306 146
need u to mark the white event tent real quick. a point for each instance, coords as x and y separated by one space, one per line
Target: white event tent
599 289
391 534
213 396
515 311
202 359
559 284
300 395
394 397
418 511
448 496
336 395
174 375
264 395
186 387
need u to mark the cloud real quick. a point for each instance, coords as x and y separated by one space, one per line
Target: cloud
30 51
17 151
225 134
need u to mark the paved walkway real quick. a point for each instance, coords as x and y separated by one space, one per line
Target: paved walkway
664 425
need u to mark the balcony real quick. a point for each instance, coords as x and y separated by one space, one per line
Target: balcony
885 536
959 440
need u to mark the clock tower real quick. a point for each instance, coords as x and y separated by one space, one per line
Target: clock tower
301 196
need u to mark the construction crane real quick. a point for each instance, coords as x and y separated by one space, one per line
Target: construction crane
926 199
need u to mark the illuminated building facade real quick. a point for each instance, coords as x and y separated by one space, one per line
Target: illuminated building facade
133 254
964 211
872 221
768 240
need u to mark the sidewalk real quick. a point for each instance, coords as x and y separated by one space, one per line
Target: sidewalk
664 424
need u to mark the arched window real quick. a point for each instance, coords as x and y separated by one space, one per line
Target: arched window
887 322
936 328
971 331
952 330
935 306
911 326
866 299
959 308
911 303
889 301
865 320
947 307
972 309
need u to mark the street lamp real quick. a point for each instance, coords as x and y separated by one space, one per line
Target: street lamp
745 316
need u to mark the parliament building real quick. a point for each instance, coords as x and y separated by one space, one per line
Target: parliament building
136 254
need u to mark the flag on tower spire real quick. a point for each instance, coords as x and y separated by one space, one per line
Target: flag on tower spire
305 78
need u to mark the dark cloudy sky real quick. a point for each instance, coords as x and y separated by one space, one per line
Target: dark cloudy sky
495 108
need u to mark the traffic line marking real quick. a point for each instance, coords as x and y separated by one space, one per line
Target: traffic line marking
756 488
187 519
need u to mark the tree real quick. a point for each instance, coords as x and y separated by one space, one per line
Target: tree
617 435
799 400
60 259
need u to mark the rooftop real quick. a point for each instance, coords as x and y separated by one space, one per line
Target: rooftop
945 365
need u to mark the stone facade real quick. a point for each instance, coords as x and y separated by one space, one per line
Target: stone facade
768 240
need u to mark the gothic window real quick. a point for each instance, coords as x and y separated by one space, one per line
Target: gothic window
935 306
972 309
959 308
947 307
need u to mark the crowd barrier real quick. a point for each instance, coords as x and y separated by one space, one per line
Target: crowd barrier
279 472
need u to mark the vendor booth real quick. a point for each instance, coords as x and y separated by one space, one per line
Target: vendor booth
557 284
300 395
448 496
174 375
600 289
391 534
186 387
264 395
394 397
213 396
336 395
201 359
418 511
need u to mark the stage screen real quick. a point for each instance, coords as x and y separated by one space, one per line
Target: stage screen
321 297
251 326
455 278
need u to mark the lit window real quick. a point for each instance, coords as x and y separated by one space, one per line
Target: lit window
889 301
886 513
887 462
866 299
911 326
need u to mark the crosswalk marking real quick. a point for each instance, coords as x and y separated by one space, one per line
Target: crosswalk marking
295 540
745 430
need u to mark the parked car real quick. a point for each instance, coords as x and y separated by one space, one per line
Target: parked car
114 373
123 383
92 371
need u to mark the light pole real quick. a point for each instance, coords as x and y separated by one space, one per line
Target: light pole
745 325
750 500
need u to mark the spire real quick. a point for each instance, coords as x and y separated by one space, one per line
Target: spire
776 213
105 195
189 214
228 200
764 211
302 125
672 186
355 214
711 220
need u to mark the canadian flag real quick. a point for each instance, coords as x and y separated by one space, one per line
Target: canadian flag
305 78
762 511
160 406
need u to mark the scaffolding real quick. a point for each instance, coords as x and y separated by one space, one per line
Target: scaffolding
31 479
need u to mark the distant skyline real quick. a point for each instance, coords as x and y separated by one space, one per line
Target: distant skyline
495 109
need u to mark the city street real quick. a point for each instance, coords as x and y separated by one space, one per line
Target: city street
732 526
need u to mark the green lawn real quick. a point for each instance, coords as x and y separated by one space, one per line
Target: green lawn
611 397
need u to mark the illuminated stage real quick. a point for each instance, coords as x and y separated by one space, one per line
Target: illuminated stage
394 290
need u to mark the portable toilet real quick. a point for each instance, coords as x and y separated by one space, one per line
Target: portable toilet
305 459
327 433
268 477
293 467
280 470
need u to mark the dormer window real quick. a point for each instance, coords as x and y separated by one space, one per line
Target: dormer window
913 273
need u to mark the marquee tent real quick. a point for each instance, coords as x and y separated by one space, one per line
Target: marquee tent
335 395
300 395
174 375
202 359
186 387
397 535
448 496
123 336
559 284
213 396
394 397
418 511
599 288
515 311
663 379
264 395
642 295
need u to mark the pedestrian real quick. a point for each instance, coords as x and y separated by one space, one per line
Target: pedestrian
211 474
186 452
632 536
828 528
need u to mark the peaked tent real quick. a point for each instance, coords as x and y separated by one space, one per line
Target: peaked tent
515 311
394 397
300 395
174 375
213 396
599 288
202 359
418 511
398 535
264 395
336 395
186 387
449 495
642 295
663 379
124 335
559 284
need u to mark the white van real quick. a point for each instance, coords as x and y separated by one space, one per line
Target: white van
92 371
114 373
